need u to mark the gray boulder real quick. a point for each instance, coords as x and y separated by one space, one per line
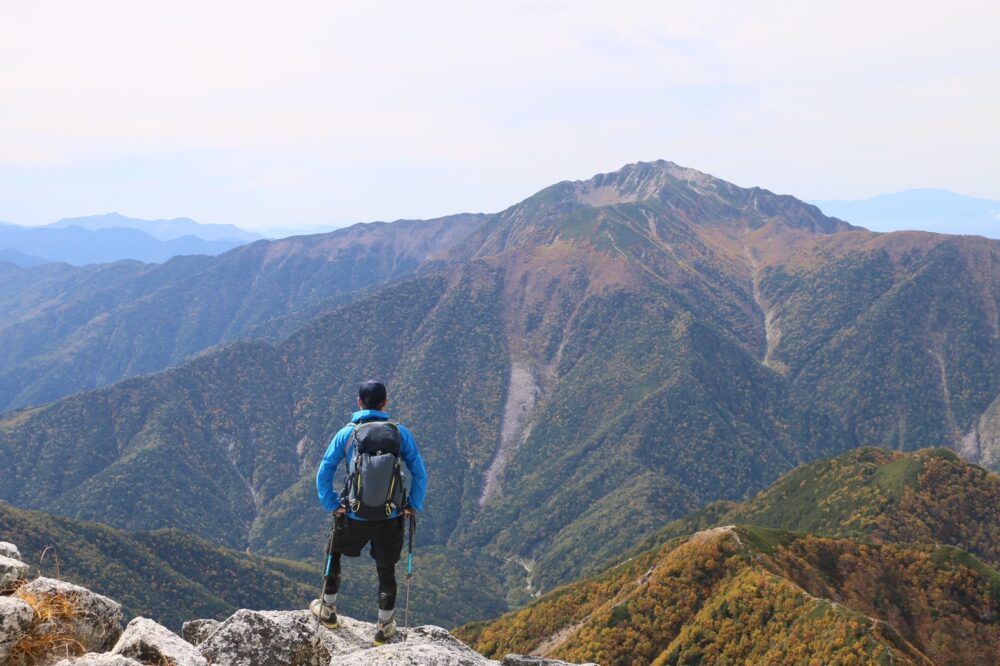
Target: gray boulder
147 641
196 631
265 638
350 636
528 660
427 644
8 549
103 659
281 638
11 571
15 621
96 624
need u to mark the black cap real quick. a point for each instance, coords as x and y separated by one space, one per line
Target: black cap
372 394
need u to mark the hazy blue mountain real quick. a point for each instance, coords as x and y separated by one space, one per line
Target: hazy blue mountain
164 230
79 246
18 258
65 329
934 210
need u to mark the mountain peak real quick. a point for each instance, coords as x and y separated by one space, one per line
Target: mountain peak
650 194
638 181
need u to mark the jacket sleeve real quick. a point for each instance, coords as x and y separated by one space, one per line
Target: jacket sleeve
328 497
418 473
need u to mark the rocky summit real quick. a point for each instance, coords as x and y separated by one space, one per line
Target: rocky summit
50 622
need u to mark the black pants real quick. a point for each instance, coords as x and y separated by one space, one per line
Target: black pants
349 537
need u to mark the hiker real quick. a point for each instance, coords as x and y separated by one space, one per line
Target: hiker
373 505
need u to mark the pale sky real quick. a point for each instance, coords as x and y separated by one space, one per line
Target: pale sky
299 113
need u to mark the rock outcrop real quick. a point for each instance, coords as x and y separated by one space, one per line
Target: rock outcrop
15 621
8 549
99 659
266 638
149 642
196 631
11 571
89 624
528 660
95 621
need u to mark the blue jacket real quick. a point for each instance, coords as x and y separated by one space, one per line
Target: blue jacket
329 497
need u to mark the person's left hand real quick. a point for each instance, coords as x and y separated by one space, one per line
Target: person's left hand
407 512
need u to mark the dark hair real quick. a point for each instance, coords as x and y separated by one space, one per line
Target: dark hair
372 394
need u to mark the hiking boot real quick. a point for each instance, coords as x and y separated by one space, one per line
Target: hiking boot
385 631
327 614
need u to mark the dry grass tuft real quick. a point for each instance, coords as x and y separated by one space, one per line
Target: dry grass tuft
48 636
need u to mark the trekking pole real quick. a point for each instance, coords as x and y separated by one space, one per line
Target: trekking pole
326 567
409 571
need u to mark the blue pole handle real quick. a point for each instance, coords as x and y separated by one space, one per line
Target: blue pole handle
329 561
409 564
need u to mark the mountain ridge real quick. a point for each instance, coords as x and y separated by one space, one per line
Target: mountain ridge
78 246
161 229
857 574
925 209
697 343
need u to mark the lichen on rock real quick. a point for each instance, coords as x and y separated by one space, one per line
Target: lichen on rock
8 549
99 659
12 570
196 631
149 642
15 621
265 638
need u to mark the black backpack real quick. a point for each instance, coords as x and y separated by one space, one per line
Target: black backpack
374 486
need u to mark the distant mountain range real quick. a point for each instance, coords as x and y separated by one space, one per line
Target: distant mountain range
20 259
164 230
581 368
79 246
66 329
934 210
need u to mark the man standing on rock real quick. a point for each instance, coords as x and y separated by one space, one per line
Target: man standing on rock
373 504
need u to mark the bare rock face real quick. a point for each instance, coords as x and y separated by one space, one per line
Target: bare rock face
273 638
428 645
8 549
92 624
15 620
265 638
349 636
11 571
528 660
96 625
147 641
103 659
280 638
196 631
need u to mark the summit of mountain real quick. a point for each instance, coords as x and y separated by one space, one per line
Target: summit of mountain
639 198
686 230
